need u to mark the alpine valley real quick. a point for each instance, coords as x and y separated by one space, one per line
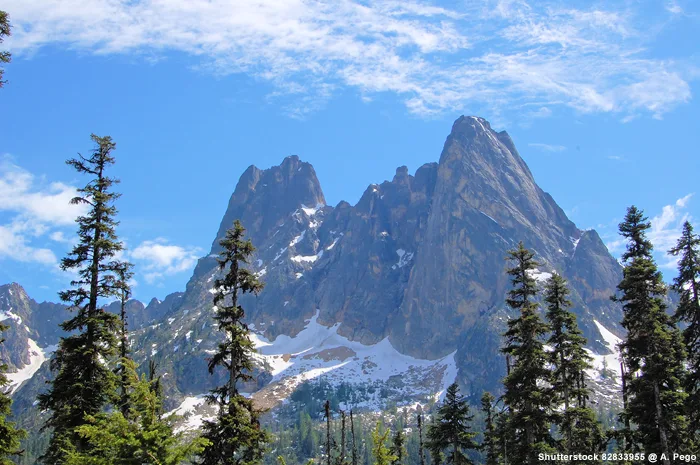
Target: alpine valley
395 297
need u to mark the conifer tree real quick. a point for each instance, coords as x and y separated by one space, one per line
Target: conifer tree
580 430
83 383
5 31
526 396
490 445
421 454
653 352
687 285
398 447
451 432
10 435
354 444
380 451
235 435
142 437
125 275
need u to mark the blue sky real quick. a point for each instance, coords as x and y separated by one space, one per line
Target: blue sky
599 97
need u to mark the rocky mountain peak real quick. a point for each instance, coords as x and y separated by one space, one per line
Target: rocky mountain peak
278 191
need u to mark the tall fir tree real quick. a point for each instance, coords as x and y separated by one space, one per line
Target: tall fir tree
10 435
421 453
687 285
451 433
398 447
125 274
489 447
580 431
380 450
526 396
5 31
653 352
235 435
84 383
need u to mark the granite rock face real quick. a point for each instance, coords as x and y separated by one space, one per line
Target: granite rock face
416 270
418 260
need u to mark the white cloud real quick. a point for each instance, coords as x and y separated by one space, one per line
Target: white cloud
547 147
492 55
666 228
13 245
159 259
35 208
22 193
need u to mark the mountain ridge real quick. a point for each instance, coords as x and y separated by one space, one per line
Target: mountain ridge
413 272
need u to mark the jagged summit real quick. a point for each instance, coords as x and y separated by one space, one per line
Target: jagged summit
277 191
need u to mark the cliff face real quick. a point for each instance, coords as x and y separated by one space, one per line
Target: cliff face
405 289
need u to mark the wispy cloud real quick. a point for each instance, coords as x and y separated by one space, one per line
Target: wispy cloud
547 147
35 208
158 259
492 56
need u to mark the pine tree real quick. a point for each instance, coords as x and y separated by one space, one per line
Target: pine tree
342 457
10 435
124 275
451 433
490 445
687 285
526 395
83 383
380 451
5 31
398 447
580 430
421 454
653 352
354 443
142 437
235 435
329 444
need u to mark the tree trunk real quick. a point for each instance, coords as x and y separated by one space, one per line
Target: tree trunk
660 420
327 408
420 440
354 448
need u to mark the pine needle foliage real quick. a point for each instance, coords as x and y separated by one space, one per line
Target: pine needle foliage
235 436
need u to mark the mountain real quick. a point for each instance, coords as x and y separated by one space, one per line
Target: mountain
396 296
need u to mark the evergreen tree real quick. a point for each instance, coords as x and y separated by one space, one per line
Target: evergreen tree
140 438
653 353
580 430
398 447
687 285
125 275
83 383
10 435
236 436
451 432
421 454
380 451
526 394
490 445
5 31
354 443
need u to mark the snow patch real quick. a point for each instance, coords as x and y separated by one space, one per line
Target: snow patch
307 258
187 410
318 351
37 356
404 258
539 276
